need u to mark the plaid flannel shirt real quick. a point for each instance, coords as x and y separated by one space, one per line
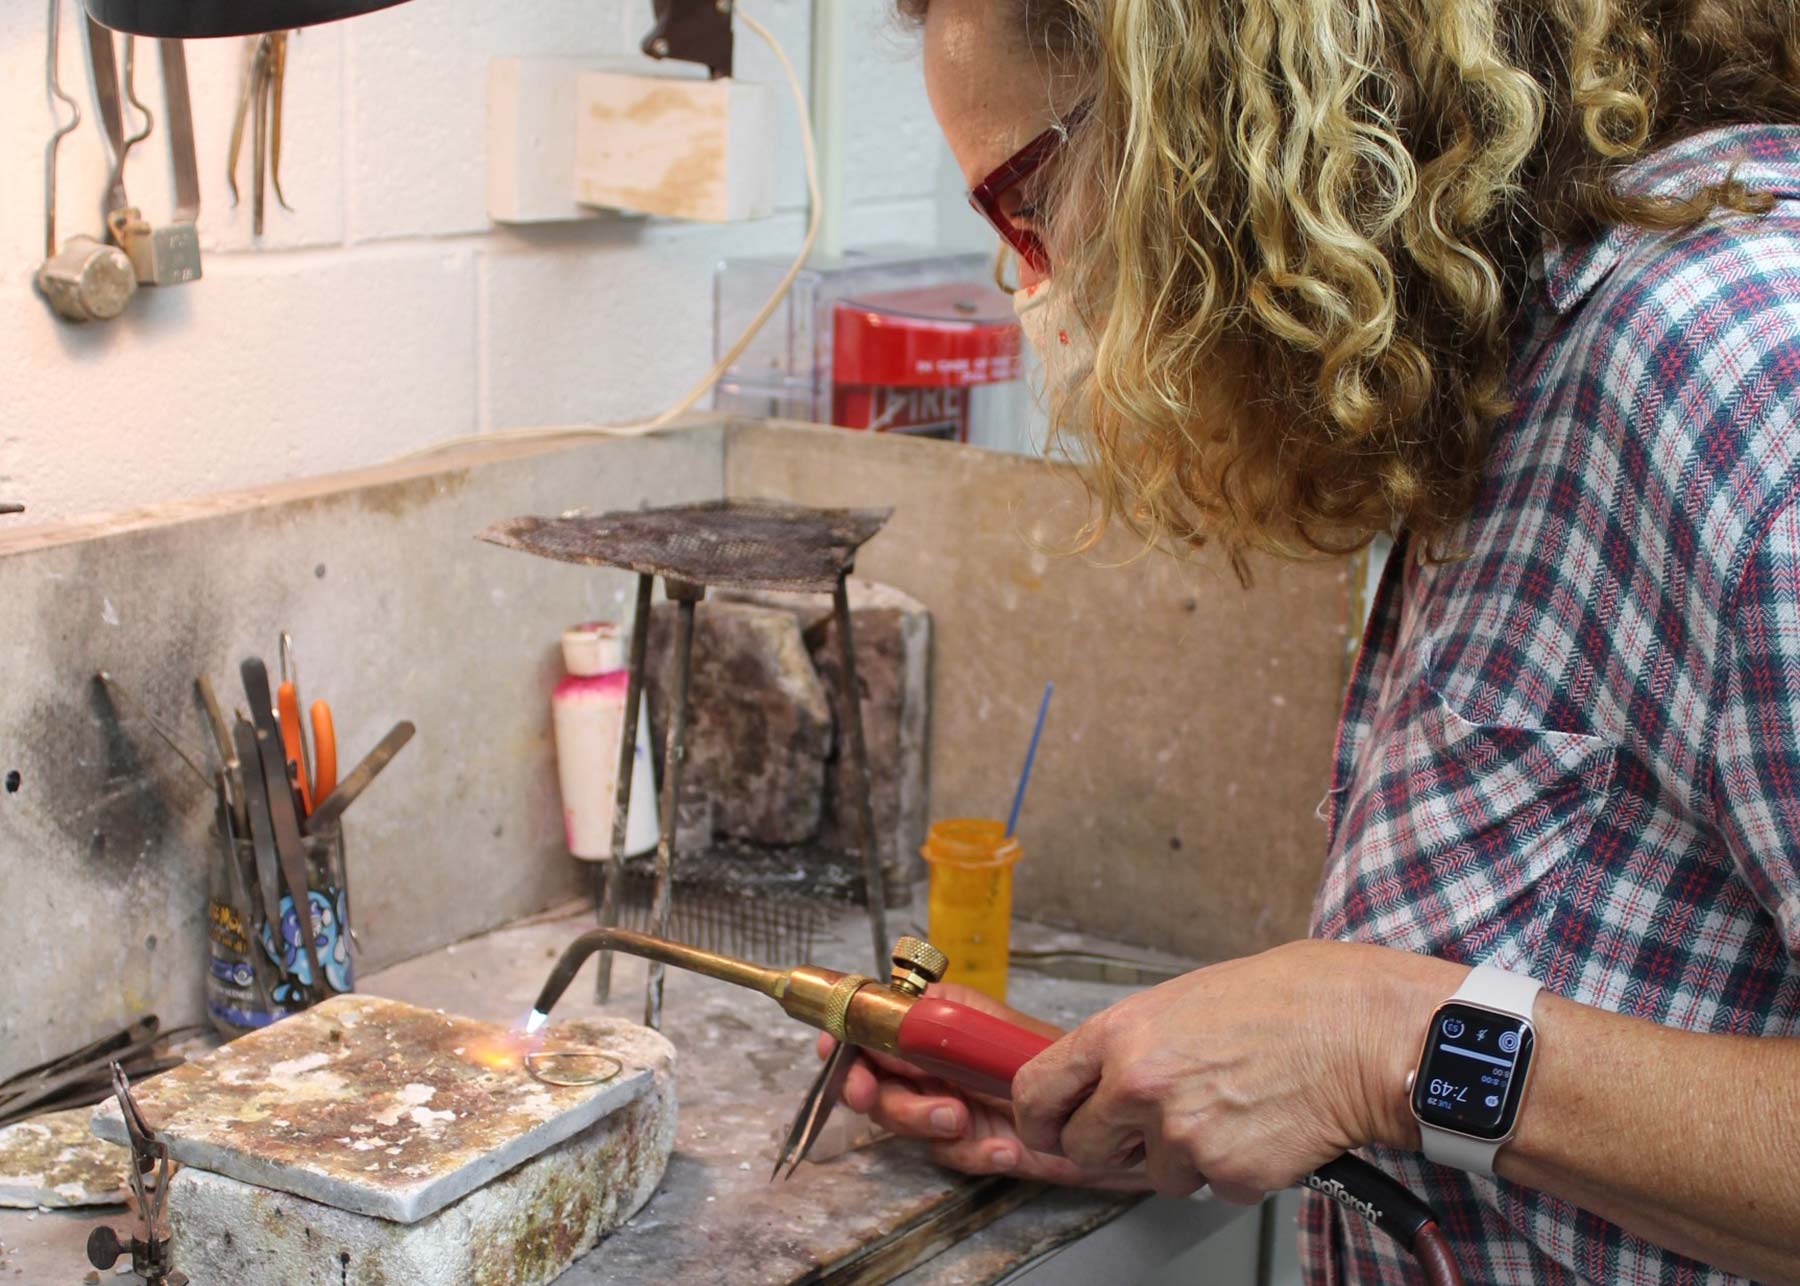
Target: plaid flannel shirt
1575 753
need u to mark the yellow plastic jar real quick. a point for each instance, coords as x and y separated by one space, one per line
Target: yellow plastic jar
970 900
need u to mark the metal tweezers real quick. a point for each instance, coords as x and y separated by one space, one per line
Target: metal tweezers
815 1110
1092 966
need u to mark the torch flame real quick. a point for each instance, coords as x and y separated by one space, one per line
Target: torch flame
504 1051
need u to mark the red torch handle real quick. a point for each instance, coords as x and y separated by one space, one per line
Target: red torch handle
980 1052
965 1046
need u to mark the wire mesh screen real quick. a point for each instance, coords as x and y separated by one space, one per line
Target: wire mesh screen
747 544
774 931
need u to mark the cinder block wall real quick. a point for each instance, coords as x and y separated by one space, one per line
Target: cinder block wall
385 312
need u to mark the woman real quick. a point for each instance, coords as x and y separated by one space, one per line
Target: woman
1517 281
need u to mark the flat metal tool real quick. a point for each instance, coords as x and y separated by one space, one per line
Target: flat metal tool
80 1077
284 820
172 254
110 1046
262 838
348 790
228 754
242 902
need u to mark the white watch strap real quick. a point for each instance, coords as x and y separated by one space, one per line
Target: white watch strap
1509 993
1491 988
1458 1151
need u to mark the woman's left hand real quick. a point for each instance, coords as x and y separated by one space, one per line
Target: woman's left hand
1246 1075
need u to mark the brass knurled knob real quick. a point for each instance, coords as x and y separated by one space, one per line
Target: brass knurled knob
837 1003
917 964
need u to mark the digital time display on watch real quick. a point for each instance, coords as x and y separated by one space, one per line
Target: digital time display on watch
1473 1069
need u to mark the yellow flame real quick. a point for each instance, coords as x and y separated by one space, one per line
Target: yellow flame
503 1052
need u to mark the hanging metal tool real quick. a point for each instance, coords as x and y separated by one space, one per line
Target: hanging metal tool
149 1175
124 222
277 90
260 107
86 280
259 157
166 254
253 48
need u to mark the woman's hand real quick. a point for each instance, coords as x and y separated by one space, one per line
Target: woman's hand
968 1132
1247 1075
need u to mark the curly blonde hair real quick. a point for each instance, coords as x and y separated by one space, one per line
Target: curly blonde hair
1315 224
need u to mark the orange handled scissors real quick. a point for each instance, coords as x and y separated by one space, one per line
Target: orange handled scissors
324 747
315 773
324 753
293 747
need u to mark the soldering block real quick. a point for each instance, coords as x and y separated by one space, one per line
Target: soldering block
407 1147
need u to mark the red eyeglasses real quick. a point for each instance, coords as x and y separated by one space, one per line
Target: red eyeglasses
988 195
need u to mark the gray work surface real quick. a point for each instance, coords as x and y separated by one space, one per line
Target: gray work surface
742 1068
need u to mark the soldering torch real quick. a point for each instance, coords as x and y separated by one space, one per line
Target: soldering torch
964 1046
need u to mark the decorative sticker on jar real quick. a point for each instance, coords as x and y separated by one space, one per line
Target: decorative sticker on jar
329 941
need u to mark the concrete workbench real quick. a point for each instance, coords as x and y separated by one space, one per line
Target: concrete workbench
743 1069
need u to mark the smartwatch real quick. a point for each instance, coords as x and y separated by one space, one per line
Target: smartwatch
1473 1069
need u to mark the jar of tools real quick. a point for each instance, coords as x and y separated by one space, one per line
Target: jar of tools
258 969
971 863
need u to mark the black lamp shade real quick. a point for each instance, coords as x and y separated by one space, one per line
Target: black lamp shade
193 19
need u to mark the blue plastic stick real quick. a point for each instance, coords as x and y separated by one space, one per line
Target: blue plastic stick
1012 821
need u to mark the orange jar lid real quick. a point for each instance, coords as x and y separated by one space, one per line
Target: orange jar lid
970 842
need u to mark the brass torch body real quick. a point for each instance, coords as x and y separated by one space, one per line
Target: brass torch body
846 1005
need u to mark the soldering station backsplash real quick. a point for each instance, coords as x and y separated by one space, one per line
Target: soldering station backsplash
380 308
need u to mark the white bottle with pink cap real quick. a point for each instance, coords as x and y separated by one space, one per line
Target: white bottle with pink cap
588 712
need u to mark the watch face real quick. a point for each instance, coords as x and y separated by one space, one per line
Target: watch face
1473 1071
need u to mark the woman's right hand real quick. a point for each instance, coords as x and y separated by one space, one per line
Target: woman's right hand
968 1132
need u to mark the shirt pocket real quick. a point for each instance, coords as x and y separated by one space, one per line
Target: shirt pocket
1466 832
